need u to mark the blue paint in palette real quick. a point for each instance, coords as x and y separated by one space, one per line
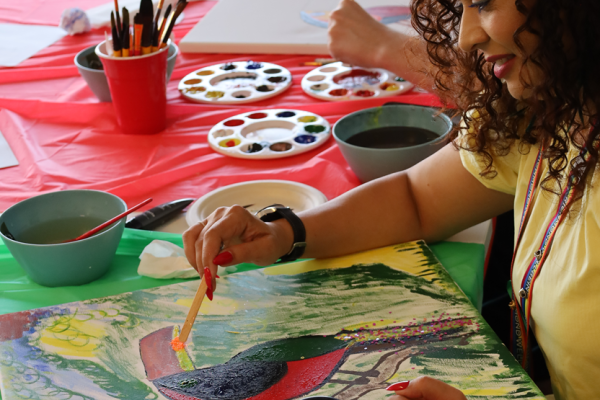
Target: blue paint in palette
305 139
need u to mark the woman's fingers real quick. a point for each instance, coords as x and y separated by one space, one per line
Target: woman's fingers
190 237
425 388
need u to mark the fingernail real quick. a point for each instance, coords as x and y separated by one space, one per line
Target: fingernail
223 258
209 294
217 276
208 279
398 386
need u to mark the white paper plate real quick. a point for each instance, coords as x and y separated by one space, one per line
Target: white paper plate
256 195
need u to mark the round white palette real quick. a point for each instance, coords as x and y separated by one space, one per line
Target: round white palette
338 81
254 196
265 134
235 83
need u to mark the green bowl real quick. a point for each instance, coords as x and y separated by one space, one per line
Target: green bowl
64 264
370 163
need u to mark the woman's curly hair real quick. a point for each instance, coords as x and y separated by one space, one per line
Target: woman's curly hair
569 94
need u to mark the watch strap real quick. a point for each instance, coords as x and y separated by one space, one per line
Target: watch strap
278 211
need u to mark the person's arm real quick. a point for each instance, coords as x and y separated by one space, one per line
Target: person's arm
433 200
358 39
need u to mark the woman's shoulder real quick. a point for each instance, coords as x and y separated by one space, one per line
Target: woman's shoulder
498 163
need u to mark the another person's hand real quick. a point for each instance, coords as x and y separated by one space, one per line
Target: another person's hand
357 38
240 235
425 388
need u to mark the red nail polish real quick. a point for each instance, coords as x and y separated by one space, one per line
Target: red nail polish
209 294
223 258
208 278
217 276
398 386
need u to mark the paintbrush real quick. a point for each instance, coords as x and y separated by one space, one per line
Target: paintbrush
138 27
194 308
125 39
109 222
119 26
147 19
162 27
115 36
178 10
158 10
156 30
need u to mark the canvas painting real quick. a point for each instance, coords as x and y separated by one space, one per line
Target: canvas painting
279 26
345 327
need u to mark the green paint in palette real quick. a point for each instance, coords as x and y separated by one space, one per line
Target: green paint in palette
59 230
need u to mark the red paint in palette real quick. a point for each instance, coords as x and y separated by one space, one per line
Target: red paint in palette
259 115
364 93
338 92
234 122
356 77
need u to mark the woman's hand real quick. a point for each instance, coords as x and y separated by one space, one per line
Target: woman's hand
425 388
240 235
357 38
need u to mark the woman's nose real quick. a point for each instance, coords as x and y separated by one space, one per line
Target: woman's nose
471 33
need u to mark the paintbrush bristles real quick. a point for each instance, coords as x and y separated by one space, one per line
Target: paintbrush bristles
194 308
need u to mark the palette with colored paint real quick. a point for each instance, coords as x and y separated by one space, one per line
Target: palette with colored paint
339 81
269 134
235 83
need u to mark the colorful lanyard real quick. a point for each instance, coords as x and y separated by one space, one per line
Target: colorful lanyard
521 306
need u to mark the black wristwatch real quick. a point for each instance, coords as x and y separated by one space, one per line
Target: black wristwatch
278 211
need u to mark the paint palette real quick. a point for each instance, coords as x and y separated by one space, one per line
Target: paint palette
265 134
339 81
235 83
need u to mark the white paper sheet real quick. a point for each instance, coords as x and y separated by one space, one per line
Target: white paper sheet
7 157
19 42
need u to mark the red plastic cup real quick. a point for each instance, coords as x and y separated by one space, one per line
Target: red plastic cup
138 90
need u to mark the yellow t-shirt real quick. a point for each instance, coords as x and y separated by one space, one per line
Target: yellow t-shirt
566 295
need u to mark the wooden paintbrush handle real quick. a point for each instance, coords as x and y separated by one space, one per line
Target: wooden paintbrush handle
195 307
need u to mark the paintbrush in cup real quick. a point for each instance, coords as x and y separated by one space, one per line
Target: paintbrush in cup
109 222
115 36
125 39
147 19
178 10
163 24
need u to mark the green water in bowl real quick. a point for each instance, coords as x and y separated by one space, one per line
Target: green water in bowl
57 231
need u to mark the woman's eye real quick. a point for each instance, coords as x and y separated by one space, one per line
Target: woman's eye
480 5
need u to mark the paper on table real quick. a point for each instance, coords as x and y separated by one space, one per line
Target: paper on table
7 157
100 16
23 41
164 260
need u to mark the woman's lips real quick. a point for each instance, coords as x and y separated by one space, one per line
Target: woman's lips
503 66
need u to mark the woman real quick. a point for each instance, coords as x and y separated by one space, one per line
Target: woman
522 73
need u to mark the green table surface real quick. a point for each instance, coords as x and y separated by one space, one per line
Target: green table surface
464 262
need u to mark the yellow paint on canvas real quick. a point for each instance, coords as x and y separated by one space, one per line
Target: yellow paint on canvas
219 305
73 335
407 261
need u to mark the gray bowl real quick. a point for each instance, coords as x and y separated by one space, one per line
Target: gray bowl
64 264
369 163
96 79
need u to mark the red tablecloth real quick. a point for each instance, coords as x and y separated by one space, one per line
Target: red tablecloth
64 138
